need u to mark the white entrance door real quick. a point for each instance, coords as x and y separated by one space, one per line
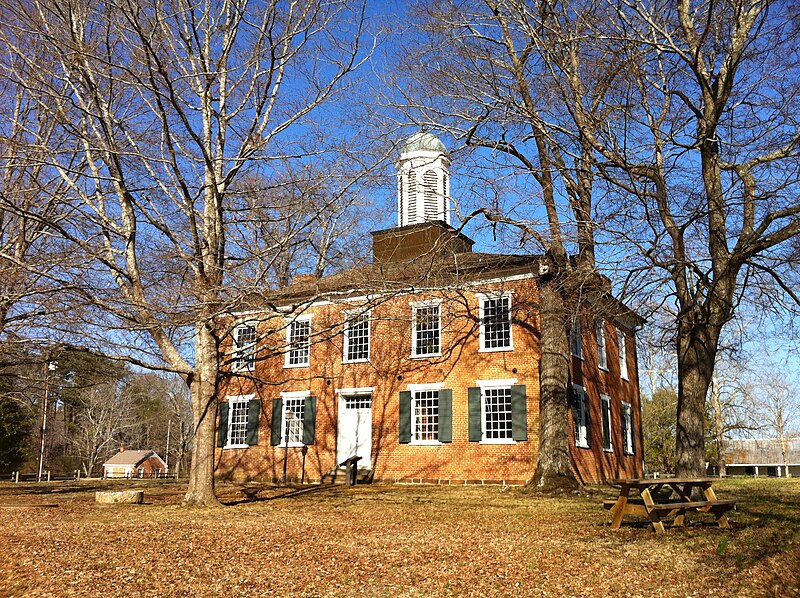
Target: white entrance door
354 437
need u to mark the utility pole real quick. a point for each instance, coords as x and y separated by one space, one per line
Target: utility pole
48 366
166 451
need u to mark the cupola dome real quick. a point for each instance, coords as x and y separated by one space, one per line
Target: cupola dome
423 141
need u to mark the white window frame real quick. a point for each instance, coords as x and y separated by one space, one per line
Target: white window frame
415 389
348 322
232 401
482 299
627 441
300 395
623 354
582 438
287 356
576 340
605 423
500 384
437 303
244 356
602 349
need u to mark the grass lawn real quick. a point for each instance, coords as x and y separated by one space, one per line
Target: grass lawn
388 541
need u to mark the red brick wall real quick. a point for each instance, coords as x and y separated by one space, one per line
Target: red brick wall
596 465
390 371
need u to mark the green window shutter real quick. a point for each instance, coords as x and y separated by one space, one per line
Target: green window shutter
277 415
519 412
222 430
253 419
309 419
588 413
445 415
474 399
405 417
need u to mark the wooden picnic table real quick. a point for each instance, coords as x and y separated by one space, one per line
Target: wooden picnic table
658 507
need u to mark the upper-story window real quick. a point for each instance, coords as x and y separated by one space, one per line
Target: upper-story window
623 355
495 315
602 355
298 339
356 337
575 340
426 329
244 347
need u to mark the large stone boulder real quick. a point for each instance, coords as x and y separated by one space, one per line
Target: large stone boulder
122 497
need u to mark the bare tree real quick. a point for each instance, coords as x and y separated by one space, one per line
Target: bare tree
167 104
702 146
776 409
509 80
26 247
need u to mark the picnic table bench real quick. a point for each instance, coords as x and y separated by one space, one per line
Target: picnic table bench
658 506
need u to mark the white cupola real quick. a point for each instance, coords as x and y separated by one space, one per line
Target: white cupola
423 180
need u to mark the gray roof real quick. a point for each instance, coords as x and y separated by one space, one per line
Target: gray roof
762 451
131 458
422 141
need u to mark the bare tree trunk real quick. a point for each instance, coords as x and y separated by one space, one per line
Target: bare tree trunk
784 456
697 347
553 469
204 407
719 437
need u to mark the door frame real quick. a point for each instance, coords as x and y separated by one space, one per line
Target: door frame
341 393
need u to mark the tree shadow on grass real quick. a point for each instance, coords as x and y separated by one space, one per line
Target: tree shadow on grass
251 493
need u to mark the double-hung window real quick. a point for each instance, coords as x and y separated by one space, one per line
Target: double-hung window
575 340
627 428
580 417
605 402
298 339
239 419
602 355
496 413
623 355
356 337
426 329
294 418
495 316
244 347
426 414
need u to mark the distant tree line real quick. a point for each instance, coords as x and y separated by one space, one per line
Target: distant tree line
93 406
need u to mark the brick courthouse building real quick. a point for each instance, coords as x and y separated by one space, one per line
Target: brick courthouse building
425 363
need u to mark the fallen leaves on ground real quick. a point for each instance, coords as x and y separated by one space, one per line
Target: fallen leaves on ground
387 541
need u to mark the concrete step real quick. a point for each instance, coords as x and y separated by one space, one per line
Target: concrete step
338 476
